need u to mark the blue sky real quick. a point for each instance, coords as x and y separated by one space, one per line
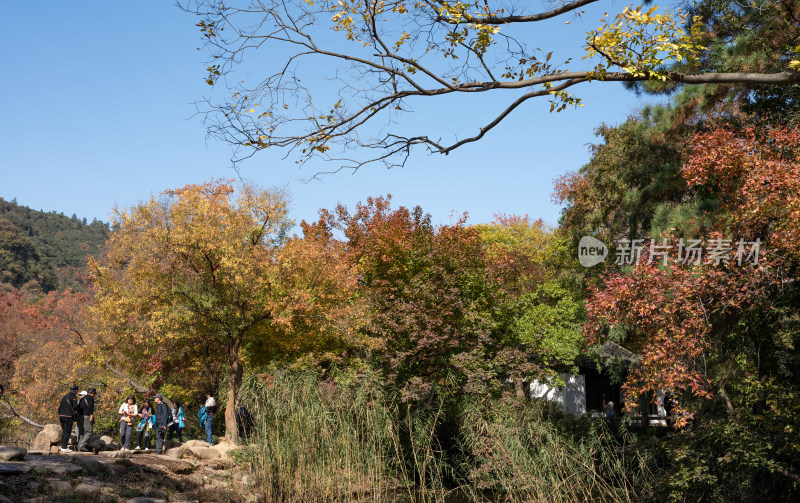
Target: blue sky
97 111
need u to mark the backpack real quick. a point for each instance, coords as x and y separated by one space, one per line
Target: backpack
201 415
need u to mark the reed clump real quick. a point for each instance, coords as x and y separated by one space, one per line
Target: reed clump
349 438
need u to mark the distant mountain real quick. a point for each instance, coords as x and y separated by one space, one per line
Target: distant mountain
45 251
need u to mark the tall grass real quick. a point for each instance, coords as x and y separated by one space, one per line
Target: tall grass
517 449
349 439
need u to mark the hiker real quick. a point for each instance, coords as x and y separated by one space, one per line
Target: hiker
177 424
211 409
68 414
145 426
244 420
127 411
162 419
85 418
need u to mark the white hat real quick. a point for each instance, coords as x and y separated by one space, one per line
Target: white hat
83 393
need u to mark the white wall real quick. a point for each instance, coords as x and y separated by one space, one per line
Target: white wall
572 396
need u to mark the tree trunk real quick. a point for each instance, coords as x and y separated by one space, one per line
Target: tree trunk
234 383
519 388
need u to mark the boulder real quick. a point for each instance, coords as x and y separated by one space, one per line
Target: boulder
95 443
106 439
224 446
9 453
195 443
41 442
204 452
55 449
175 452
53 432
90 465
111 446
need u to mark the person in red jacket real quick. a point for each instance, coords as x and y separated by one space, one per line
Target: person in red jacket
68 414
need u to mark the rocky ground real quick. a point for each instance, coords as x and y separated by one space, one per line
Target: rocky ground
191 472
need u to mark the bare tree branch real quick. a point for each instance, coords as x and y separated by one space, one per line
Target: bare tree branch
17 414
387 57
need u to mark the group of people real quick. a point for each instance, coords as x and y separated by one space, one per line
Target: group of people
79 407
71 410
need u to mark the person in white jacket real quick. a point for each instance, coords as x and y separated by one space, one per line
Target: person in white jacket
211 409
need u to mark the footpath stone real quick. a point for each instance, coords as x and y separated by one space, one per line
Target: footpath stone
11 453
90 465
14 468
87 491
60 486
115 454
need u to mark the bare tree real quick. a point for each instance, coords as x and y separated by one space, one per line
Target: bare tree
334 76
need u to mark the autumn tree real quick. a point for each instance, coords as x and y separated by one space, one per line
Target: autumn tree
541 292
385 58
194 266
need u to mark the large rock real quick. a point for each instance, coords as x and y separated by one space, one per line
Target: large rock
9 453
96 443
111 446
41 442
175 452
90 465
223 447
204 452
53 432
195 443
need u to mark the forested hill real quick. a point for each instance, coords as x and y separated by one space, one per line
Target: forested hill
45 251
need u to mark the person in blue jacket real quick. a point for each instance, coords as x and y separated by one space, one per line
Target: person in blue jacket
146 426
177 424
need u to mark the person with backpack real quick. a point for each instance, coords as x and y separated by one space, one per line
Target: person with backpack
85 418
67 415
177 424
162 419
145 427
